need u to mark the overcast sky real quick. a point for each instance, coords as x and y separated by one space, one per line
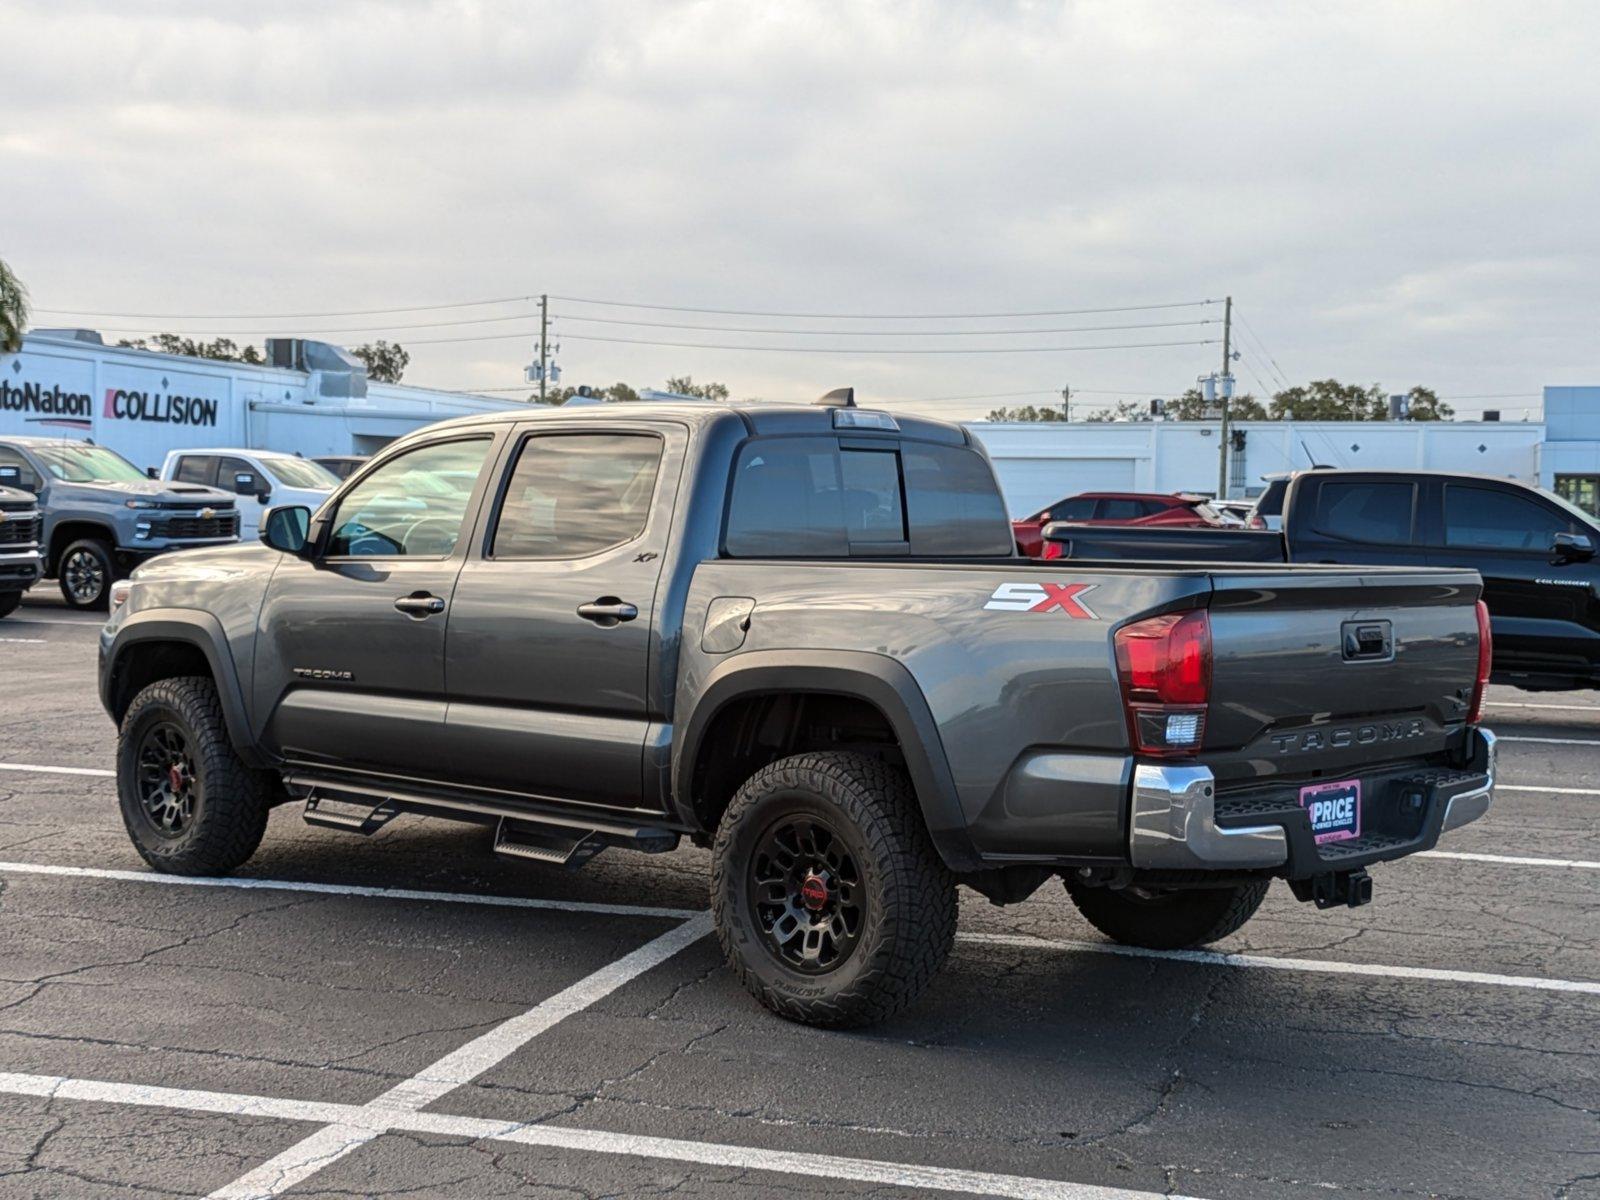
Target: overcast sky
1401 193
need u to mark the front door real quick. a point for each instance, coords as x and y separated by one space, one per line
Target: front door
552 624
350 660
1545 609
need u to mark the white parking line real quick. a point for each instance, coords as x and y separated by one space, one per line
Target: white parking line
1548 741
1217 958
1556 791
9 641
1511 860
1567 708
95 625
347 889
357 1118
332 1142
97 772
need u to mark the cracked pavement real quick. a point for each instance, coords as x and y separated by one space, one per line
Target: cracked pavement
1150 1075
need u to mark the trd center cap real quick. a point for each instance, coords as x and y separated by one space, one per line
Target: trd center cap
814 892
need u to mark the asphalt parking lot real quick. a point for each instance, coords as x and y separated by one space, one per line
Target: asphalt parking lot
407 1015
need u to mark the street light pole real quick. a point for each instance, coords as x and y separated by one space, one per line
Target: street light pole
1227 394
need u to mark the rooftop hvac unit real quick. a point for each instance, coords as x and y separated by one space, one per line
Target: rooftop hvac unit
334 371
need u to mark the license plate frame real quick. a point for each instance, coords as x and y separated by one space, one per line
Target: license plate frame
1333 824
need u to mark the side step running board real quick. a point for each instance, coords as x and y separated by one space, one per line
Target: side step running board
546 843
549 837
354 816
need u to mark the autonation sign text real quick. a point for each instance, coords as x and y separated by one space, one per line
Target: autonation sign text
49 402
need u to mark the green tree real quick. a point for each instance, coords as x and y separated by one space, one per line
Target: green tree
1426 405
13 310
1123 410
1027 412
222 349
1330 400
386 362
684 385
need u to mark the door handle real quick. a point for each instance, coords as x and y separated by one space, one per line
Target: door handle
608 611
419 604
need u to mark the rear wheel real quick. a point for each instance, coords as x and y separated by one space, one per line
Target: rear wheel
1172 919
831 903
9 602
190 805
85 572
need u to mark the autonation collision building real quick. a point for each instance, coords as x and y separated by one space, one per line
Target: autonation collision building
314 398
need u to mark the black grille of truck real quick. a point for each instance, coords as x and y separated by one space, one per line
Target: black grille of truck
19 532
219 525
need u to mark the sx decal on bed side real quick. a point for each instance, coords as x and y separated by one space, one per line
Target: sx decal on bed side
1044 597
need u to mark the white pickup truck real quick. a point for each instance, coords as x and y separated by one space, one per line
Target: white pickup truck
260 478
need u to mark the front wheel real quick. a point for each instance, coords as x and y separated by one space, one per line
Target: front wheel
831 904
1176 919
190 805
86 571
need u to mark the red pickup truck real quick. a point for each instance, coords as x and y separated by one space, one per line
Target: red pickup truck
1113 508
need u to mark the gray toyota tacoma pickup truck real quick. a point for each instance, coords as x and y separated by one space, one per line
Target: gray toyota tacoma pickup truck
799 636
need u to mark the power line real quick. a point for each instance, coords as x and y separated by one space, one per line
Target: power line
1278 373
836 316
886 349
354 312
889 332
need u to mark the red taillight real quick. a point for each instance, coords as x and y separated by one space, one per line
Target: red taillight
1165 666
1256 522
1050 550
1485 664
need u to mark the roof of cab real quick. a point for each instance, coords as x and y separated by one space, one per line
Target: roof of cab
767 419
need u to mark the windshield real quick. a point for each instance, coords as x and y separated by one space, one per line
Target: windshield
300 473
78 462
1582 516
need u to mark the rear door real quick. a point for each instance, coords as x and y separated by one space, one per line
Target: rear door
1376 520
553 625
349 665
1545 610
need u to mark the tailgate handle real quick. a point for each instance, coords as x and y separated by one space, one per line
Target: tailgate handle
1367 640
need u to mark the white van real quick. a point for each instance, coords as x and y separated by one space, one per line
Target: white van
262 479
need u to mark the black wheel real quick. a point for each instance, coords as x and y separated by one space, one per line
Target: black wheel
86 572
190 805
831 903
9 602
1169 920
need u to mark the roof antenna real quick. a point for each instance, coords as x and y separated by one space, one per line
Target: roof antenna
844 397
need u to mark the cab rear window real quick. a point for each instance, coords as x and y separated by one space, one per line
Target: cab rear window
813 497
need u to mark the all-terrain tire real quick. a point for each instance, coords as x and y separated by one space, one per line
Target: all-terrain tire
86 572
1170 920
180 721
904 896
9 602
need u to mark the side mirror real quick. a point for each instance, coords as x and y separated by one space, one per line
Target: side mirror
152 473
244 484
1572 547
11 477
286 529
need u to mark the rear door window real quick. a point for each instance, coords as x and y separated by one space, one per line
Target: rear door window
1499 520
196 468
575 494
1080 509
1379 513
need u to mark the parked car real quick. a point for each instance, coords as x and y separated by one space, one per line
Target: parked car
798 636
1534 550
1113 508
1233 513
341 465
103 516
21 562
259 478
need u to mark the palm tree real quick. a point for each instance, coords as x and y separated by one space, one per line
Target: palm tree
13 310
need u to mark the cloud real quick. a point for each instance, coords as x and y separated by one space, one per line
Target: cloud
1380 186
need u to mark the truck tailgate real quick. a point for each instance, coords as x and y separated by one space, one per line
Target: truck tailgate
1320 672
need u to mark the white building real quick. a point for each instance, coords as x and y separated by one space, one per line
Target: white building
317 400
1041 462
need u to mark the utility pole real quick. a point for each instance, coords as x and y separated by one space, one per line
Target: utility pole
1227 395
1066 404
544 344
